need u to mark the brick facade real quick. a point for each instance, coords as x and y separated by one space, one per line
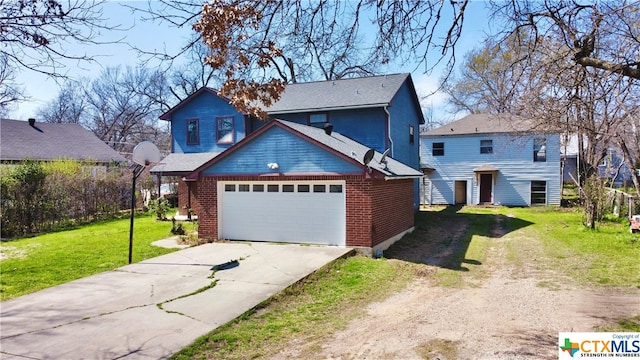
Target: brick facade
376 210
184 192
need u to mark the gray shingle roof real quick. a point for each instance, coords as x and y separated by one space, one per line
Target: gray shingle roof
354 149
363 92
182 164
46 141
486 124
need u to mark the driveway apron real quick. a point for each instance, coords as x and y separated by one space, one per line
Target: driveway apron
152 309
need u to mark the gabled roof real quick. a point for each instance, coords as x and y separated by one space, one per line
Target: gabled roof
47 141
167 115
343 146
181 163
487 124
365 92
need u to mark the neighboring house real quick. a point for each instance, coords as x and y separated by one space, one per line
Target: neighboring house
490 159
381 112
288 182
21 140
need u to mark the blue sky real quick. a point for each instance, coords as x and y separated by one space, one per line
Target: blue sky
147 35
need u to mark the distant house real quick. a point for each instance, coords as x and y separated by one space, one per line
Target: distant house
21 140
288 182
490 159
381 112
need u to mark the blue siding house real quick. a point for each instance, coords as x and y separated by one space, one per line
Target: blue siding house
490 159
288 182
380 112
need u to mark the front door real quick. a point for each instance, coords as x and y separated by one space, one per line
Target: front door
461 192
486 181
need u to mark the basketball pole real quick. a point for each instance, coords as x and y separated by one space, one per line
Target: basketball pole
136 172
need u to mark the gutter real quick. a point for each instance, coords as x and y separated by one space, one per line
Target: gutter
386 110
387 178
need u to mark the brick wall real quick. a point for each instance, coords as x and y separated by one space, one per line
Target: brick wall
376 209
183 196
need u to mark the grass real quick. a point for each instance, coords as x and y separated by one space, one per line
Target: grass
313 309
310 311
39 262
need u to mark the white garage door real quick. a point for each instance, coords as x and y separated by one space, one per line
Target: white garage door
311 212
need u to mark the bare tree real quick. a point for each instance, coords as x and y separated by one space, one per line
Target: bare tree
10 91
600 35
70 106
35 32
259 46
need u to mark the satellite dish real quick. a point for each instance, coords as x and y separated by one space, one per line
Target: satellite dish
145 153
383 159
368 156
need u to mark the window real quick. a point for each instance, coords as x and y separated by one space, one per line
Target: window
540 149
229 187
412 136
243 187
287 188
437 149
318 119
335 188
303 188
224 130
486 146
273 188
538 193
193 132
319 188
258 188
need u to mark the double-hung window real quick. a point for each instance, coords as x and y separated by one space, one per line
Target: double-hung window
486 146
437 149
224 129
539 149
193 132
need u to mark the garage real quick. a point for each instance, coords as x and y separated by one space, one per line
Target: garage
311 212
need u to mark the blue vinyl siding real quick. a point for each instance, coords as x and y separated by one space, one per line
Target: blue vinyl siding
512 156
292 154
205 107
366 126
404 112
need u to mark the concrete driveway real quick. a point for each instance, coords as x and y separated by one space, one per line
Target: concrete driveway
152 309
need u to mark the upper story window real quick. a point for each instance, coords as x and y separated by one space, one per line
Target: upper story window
486 146
437 149
412 135
193 132
540 149
224 129
318 119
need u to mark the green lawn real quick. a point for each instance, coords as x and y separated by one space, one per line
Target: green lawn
32 264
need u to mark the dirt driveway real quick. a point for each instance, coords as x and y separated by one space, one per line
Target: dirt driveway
508 306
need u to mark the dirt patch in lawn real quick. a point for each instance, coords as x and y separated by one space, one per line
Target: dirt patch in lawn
513 311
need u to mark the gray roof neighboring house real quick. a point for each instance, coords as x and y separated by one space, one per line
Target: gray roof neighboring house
47 141
487 124
353 93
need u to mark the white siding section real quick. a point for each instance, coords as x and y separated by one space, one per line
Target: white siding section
512 156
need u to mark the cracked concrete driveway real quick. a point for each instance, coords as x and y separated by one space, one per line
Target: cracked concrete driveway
152 309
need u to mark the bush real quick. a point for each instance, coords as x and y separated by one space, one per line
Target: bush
160 207
45 196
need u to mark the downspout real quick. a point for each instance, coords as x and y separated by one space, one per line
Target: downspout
386 110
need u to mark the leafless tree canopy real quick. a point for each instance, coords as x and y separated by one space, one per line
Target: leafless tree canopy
34 33
259 46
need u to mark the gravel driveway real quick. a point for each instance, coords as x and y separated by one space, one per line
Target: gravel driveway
510 306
